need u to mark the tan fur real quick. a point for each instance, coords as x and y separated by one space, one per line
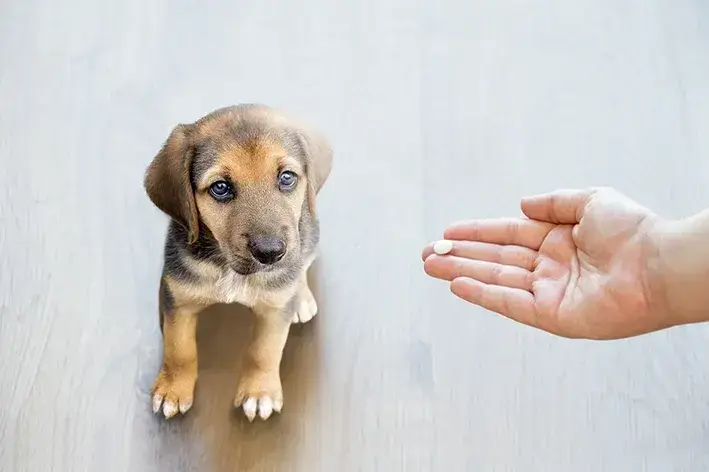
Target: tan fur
260 373
254 169
252 163
176 380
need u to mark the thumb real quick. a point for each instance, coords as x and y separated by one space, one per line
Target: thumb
560 207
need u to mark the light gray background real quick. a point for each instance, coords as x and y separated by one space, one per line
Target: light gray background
437 111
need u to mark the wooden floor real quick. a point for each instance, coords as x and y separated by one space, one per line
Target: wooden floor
437 111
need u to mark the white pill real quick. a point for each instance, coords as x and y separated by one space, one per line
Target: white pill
443 247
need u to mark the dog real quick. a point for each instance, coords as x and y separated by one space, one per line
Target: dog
239 186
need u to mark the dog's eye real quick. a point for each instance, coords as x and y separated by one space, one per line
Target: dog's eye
221 191
287 180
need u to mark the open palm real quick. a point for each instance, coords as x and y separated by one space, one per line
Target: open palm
576 267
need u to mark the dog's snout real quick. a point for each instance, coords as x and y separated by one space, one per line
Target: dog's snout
267 249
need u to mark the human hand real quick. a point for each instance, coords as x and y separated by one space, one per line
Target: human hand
579 267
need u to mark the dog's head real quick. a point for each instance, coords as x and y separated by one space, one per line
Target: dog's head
247 175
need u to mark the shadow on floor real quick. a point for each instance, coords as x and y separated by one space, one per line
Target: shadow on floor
214 435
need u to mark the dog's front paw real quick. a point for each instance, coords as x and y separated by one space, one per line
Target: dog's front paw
259 392
173 392
307 306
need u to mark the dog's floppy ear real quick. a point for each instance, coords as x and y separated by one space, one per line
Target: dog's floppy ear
167 181
318 162
319 155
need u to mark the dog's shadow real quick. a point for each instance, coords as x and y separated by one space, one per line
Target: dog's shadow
227 437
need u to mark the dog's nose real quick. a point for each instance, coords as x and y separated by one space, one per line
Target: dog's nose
267 249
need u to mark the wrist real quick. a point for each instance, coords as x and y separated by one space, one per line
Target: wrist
678 271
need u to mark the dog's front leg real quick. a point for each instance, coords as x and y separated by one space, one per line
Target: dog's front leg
306 306
259 389
173 389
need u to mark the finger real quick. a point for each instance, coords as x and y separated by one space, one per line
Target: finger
507 255
427 251
505 231
452 267
518 256
561 206
512 303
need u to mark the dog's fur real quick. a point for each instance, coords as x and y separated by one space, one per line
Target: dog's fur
207 258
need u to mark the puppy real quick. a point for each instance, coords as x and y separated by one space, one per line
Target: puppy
239 186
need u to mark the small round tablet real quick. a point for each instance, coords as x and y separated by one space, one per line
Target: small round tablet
443 247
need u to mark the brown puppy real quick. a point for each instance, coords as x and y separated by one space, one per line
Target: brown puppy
239 186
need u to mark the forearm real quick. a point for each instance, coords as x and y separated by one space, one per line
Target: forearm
682 267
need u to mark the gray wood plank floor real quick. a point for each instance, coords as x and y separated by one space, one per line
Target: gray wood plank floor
437 111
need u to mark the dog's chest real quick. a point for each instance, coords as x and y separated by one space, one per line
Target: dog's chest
234 288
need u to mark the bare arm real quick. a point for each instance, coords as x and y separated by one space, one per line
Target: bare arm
682 269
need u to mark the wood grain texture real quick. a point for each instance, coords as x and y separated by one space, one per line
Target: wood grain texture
437 111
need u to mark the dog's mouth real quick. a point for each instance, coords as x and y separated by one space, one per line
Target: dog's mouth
244 266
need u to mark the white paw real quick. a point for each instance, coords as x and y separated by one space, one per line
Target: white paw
307 307
264 406
260 394
173 394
